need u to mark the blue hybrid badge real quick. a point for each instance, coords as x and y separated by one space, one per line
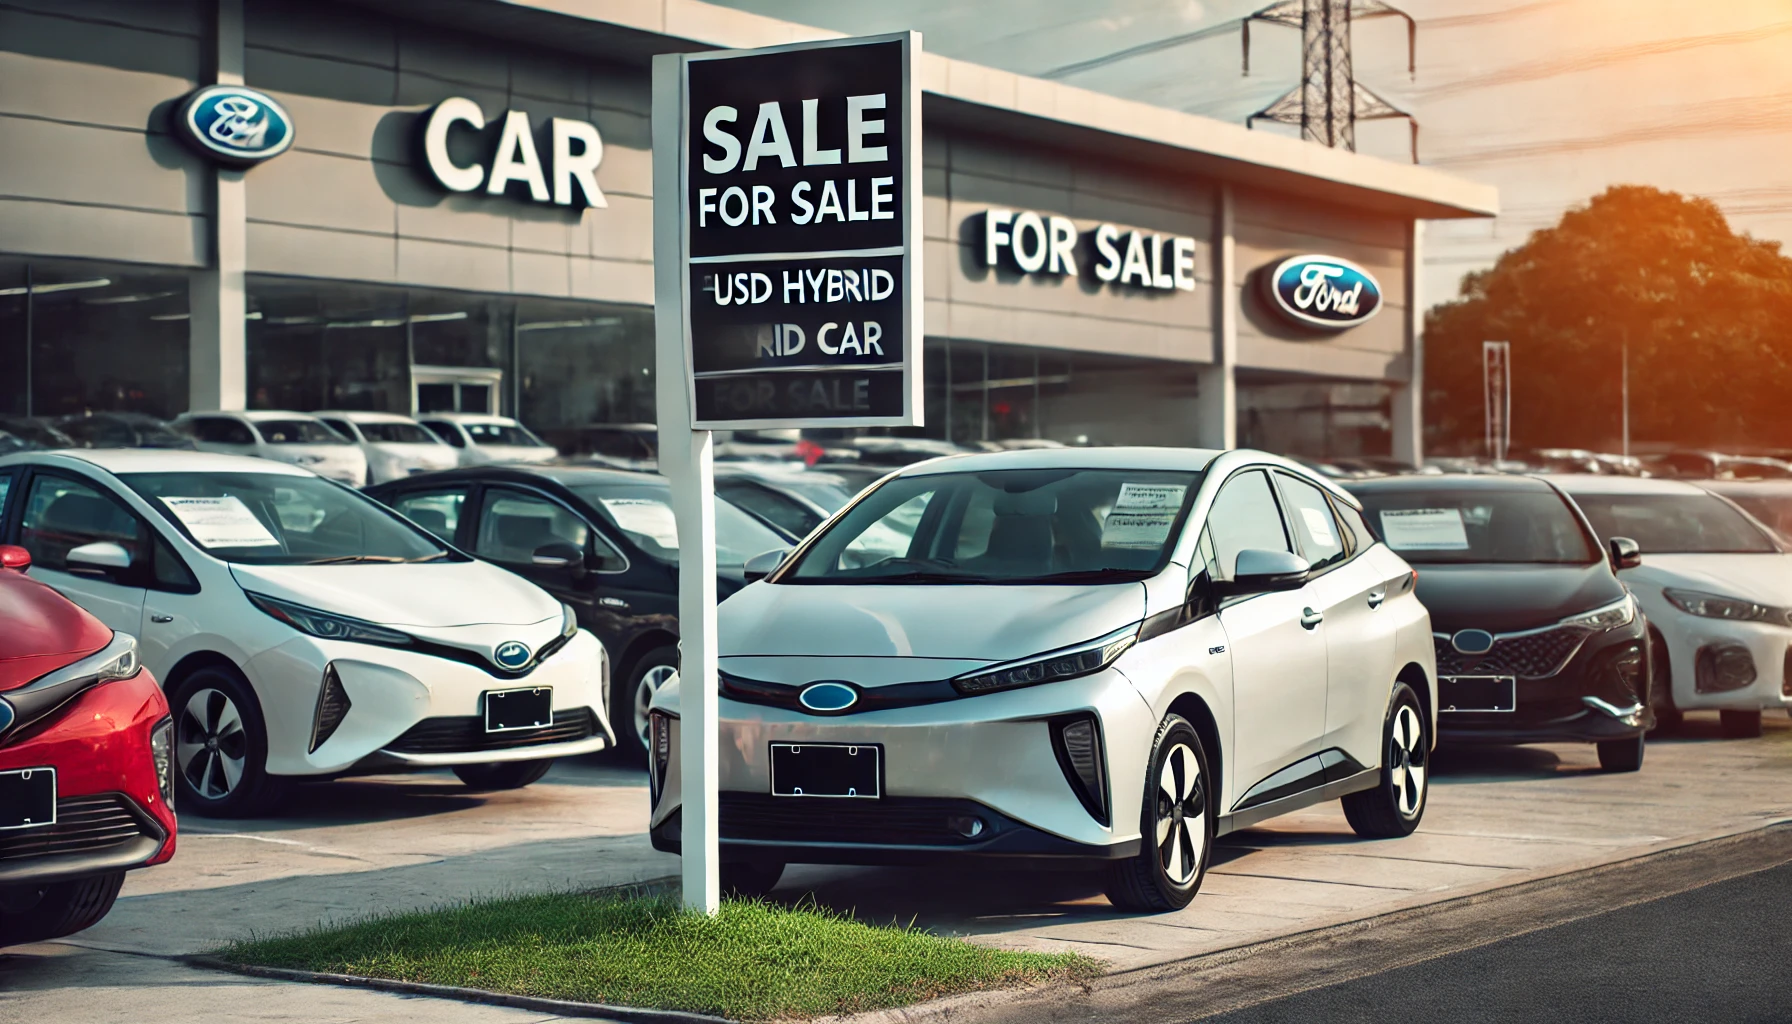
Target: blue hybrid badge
828 697
234 125
6 716
1324 292
512 654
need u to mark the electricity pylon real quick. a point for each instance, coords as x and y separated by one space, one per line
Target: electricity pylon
1329 101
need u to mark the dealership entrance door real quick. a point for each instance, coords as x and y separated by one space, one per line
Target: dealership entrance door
454 389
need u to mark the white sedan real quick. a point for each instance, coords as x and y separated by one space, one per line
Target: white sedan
396 446
292 437
303 629
1717 588
1105 657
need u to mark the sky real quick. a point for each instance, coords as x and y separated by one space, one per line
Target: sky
1550 100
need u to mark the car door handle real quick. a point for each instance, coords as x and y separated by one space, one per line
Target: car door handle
161 618
1376 597
1311 619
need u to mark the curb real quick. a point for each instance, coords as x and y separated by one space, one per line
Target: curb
563 1007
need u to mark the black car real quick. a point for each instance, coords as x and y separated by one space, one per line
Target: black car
1537 640
603 541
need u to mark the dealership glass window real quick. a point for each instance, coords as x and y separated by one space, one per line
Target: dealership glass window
607 350
1318 419
80 336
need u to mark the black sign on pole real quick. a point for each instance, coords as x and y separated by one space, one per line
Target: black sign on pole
802 240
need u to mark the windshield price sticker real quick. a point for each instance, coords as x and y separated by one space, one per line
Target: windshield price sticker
1424 529
1145 530
221 522
1150 497
801 241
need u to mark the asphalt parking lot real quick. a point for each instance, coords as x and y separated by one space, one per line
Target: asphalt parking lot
1497 817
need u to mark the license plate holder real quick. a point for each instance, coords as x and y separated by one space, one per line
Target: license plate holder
27 798
1477 694
512 710
840 771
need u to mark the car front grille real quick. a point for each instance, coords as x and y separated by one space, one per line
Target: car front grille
84 825
891 821
466 734
1526 655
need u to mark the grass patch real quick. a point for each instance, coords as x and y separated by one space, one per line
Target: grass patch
752 961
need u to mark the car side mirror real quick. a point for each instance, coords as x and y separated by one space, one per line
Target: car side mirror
101 558
14 557
1625 553
560 555
764 564
1259 571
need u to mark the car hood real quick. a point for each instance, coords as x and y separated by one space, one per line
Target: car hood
43 630
976 623
432 595
1766 578
1506 598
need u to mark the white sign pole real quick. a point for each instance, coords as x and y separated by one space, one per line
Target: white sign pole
686 460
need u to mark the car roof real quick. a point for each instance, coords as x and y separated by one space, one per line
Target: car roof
363 416
1587 483
1747 486
566 476
1143 458
469 417
154 460
1449 481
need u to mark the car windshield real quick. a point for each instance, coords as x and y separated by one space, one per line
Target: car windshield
643 512
297 432
1774 509
503 433
1014 526
1675 523
396 433
283 519
1480 525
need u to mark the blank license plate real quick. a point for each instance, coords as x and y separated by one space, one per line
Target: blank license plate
508 710
1477 693
27 798
827 769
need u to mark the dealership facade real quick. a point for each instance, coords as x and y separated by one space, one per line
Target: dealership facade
463 220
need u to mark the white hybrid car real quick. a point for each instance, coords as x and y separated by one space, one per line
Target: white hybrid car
293 437
1717 588
395 446
479 438
302 629
1104 656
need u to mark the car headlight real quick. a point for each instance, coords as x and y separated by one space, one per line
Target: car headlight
161 749
1067 663
1716 606
1618 613
326 625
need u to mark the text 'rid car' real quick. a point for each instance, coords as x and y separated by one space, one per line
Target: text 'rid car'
302 629
1104 657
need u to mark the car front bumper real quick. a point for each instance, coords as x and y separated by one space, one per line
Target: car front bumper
988 759
408 708
1689 637
1601 693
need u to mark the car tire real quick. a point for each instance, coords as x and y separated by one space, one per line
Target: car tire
750 879
1740 725
62 908
1176 826
634 691
221 747
1620 755
1392 809
503 774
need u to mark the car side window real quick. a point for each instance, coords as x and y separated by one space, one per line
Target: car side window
342 427
435 511
62 514
5 489
1245 516
170 572
218 430
763 503
514 525
1314 526
446 432
1355 527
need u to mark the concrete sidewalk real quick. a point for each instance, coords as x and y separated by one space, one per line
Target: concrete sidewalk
367 846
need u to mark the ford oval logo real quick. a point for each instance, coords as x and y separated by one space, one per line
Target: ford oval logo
1472 641
828 697
234 125
1324 291
511 654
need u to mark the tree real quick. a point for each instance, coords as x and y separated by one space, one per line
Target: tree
1706 314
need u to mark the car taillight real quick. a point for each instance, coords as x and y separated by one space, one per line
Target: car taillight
1077 742
161 750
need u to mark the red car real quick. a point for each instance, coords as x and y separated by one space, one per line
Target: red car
86 761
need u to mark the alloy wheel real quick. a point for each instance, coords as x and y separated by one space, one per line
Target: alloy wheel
211 746
1181 804
651 681
1406 762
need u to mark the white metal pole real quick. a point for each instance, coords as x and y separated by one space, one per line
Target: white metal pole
686 460
1625 385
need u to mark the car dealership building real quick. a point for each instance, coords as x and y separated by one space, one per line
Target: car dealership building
458 216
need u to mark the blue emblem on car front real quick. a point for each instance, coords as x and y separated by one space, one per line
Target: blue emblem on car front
1472 641
234 124
1323 291
828 697
6 716
512 654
